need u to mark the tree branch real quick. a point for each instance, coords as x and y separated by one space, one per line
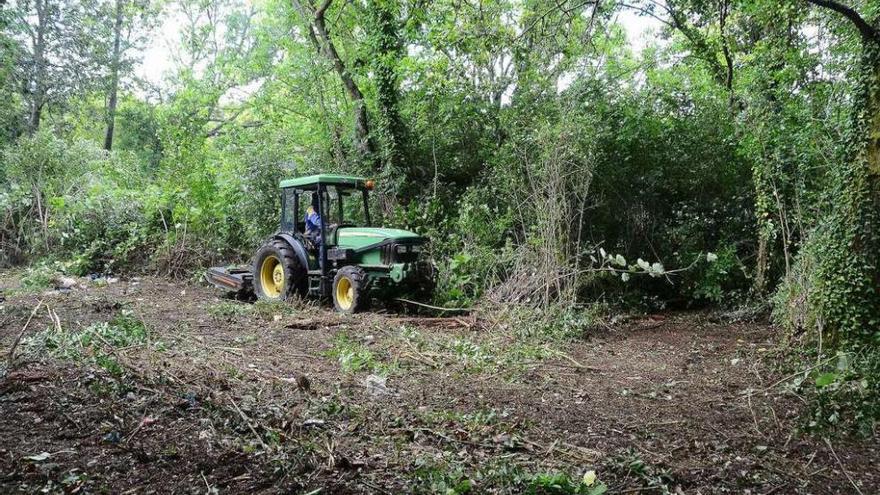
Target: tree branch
866 30
647 12
700 44
320 37
319 14
549 11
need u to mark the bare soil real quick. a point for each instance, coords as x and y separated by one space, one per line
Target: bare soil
227 397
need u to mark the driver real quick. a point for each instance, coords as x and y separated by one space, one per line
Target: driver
313 222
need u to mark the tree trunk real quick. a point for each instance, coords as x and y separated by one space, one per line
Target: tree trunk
847 301
35 114
38 78
869 207
390 134
320 37
762 265
850 272
114 78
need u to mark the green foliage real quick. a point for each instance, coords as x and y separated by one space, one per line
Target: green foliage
433 476
843 392
227 309
94 343
555 323
460 281
472 355
40 276
266 309
831 298
355 356
383 47
75 200
654 477
70 199
720 278
562 484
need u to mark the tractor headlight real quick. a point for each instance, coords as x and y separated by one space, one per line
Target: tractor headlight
415 249
402 249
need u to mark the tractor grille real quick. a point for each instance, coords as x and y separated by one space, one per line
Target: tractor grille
407 257
388 254
400 253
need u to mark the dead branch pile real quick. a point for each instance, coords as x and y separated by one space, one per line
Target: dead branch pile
546 266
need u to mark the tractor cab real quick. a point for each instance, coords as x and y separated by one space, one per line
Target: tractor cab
339 202
326 247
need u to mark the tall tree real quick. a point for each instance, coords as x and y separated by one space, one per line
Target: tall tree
384 51
57 59
37 84
318 34
847 281
121 28
114 74
10 116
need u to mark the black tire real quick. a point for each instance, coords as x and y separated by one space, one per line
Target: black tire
350 292
425 284
295 278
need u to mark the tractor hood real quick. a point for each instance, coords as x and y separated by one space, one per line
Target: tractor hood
356 237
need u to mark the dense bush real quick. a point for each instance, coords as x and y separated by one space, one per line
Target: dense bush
75 201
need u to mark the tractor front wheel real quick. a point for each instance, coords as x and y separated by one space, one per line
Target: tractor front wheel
277 272
350 293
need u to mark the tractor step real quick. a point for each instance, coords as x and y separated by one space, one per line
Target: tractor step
315 284
233 278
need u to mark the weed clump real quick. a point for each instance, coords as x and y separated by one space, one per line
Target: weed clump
228 309
450 477
269 309
355 356
95 343
551 323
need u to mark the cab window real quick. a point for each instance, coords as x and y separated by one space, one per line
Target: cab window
288 223
305 201
345 206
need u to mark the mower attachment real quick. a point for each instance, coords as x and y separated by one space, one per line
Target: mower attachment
233 278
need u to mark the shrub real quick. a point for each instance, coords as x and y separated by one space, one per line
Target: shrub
92 342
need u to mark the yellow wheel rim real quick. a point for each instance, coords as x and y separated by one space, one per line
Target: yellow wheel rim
344 293
272 277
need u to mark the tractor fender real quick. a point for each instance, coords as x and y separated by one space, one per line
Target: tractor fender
297 247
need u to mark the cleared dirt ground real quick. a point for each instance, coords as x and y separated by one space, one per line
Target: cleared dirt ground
219 396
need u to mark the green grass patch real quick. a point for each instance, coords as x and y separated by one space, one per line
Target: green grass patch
94 343
448 475
228 309
263 309
496 355
355 356
40 276
267 310
654 478
474 356
555 323
43 275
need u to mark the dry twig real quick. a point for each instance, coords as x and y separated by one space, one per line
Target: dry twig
839 463
247 421
10 359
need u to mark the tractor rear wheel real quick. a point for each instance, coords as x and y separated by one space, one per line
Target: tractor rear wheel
277 272
350 293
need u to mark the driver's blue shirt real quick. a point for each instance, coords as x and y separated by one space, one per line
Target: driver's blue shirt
313 225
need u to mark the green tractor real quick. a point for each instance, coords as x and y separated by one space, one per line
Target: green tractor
340 257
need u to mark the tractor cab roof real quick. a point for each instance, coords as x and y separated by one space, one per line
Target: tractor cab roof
312 181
